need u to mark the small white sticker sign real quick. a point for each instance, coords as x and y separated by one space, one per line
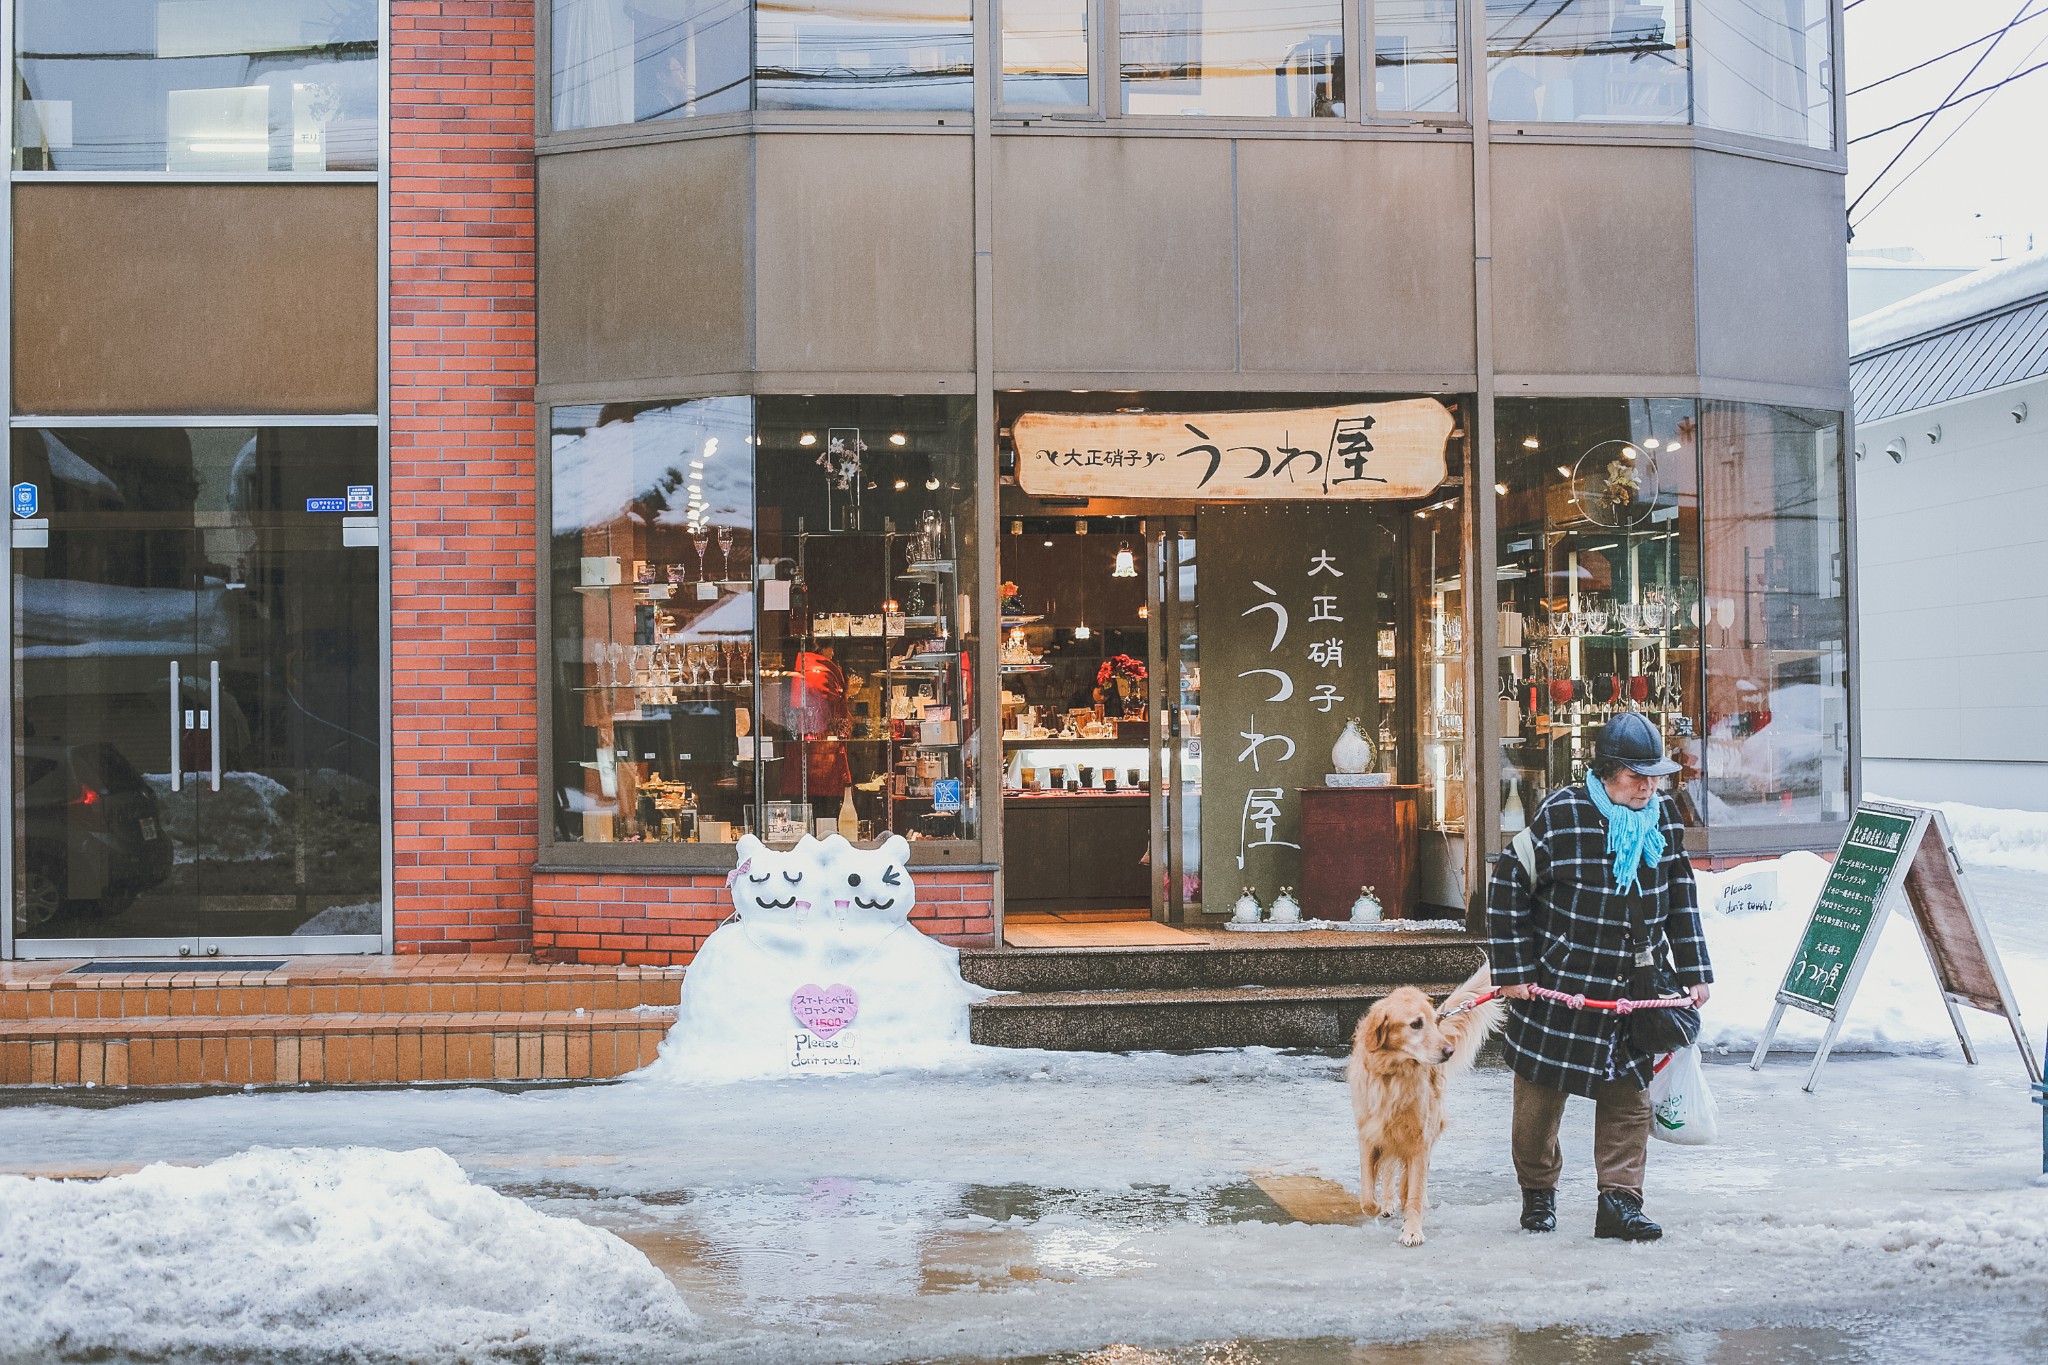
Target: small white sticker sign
1752 893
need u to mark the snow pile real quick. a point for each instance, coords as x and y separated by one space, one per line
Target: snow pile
830 920
1897 1007
2015 839
320 1251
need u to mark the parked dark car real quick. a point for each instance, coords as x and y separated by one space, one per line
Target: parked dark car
94 836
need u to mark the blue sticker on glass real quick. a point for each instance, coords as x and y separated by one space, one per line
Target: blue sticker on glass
946 796
362 498
26 499
326 504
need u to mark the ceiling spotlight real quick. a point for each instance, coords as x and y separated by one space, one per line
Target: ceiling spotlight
807 439
897 438
1628 452
1126 563
1080 527
1564 471
902 484
1048 545
1501 489
932 484
1530 443
1144 612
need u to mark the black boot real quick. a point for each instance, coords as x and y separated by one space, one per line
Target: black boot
1539 1210
1621 1216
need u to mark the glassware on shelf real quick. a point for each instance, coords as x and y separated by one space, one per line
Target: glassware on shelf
702 540
725 542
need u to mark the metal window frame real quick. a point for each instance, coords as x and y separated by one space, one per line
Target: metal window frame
383 941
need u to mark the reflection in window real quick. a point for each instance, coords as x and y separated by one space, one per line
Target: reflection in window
203 86
634 61
1598 511
860 54
1415 56
762 619
1774 611
1586 61
1045 53
1249 58
1763 68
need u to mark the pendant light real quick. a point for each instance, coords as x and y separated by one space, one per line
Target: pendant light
1126 563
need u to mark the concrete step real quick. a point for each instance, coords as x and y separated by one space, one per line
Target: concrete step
1331 958
1314 1016
369 986
353 1048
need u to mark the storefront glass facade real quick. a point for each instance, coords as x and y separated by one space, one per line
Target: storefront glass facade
1685 560
763 620
200 89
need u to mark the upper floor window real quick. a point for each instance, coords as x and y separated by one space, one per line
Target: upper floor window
199 86
1587 61
1415 56
1765 70
636 61
1243 58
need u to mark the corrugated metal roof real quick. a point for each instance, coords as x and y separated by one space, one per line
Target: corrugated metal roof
1983 353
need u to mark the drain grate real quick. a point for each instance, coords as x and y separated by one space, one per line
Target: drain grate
176 964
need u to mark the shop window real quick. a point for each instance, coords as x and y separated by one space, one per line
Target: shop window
1415 56
1765 69
1243 58
763 619
845 54
635 61
1045 56
1600 599
198 86
1774 615
1587 61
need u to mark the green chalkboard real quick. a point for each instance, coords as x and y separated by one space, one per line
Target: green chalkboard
1849 913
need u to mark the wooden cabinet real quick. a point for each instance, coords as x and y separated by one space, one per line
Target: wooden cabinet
1076 852
1353 837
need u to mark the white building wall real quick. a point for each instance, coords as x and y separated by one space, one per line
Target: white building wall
1953 565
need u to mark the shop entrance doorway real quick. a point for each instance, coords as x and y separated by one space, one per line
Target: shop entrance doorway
197 706
1101 722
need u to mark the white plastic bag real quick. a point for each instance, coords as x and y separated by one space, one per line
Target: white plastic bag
1682 1109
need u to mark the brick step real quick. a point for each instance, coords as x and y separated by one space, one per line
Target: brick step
348 1049
1310 959
323 992
1321 1016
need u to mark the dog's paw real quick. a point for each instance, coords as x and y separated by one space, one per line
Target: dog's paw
1371 1211
1411 1237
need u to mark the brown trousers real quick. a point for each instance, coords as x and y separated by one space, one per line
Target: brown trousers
1621 1135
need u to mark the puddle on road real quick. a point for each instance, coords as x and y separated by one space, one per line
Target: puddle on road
858 1243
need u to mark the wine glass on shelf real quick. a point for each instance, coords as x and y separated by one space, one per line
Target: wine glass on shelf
1596 616
725 539
702 540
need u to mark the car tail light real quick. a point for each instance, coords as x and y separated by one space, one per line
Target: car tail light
87 796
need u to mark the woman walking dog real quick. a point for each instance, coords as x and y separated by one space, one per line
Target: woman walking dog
1597 900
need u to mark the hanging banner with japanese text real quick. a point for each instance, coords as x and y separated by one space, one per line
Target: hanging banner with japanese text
1290 624
1358 450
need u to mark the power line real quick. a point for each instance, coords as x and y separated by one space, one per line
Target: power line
1946 104
1924 161
1928 118
1954 51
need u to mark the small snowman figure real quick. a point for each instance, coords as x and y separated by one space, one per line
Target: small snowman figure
1246 911
1286 909
1366 909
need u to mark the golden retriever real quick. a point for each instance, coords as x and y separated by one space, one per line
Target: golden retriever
1399 1057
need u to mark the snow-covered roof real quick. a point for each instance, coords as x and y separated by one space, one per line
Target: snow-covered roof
1980 293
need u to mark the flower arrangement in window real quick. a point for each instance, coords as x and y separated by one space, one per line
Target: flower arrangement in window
1124 668
1013 600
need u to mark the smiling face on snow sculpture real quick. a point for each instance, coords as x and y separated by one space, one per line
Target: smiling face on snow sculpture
870 888
775 892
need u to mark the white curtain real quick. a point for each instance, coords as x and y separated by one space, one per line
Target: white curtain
593 64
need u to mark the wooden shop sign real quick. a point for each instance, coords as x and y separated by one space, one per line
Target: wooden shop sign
1357 450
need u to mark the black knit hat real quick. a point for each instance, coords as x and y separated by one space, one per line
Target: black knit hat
1630 740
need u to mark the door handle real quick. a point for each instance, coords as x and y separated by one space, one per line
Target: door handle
213 670
177 735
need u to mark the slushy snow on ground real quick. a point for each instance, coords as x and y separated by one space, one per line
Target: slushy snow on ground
350 1249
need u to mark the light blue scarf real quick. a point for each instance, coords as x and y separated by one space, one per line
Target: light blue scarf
1634 837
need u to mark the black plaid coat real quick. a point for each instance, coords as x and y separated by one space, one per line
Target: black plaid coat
1574 932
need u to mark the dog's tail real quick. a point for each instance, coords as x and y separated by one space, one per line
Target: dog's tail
1469 1030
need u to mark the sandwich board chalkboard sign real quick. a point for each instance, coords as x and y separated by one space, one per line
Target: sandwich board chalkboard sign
1892 849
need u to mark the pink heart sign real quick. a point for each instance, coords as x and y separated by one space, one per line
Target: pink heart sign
824 1010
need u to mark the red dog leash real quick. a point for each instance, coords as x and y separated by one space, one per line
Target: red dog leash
1577 1002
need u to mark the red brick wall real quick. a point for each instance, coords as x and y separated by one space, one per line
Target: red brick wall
661 920
464 729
